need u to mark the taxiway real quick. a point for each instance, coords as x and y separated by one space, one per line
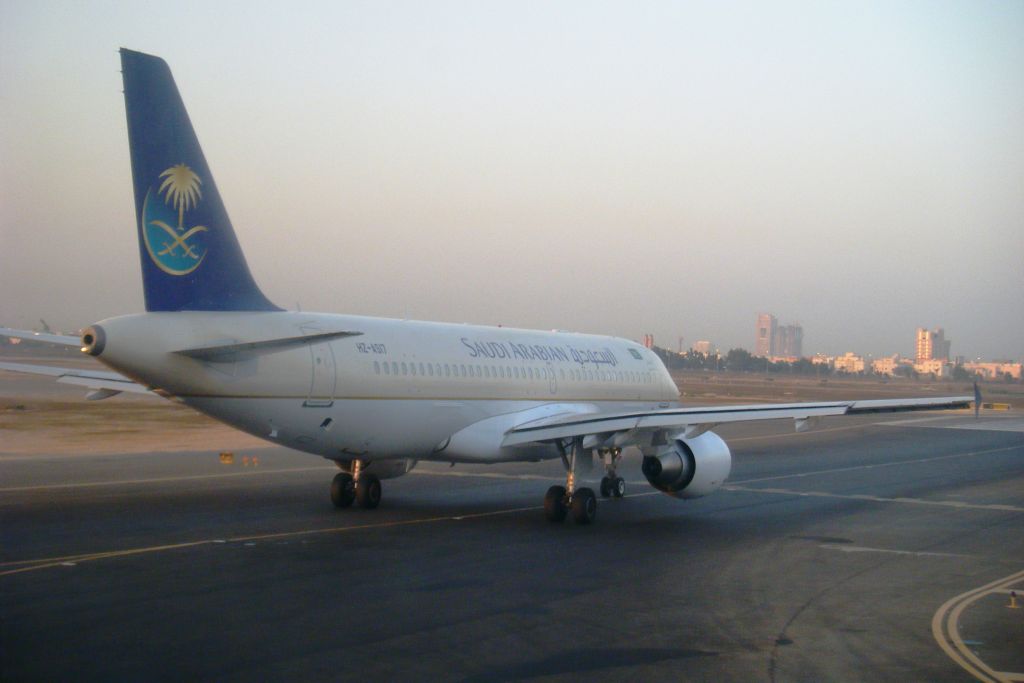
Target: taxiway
828 556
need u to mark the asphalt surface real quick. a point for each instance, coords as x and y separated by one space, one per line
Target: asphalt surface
847 553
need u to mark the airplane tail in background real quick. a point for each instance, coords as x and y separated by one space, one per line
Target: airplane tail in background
191 259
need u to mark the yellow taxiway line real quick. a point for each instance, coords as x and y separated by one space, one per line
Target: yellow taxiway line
946 631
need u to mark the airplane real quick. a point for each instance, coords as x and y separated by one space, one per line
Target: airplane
378 395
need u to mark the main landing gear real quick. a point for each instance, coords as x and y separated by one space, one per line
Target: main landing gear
560 501
355 486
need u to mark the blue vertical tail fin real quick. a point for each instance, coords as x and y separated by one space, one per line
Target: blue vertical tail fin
191 259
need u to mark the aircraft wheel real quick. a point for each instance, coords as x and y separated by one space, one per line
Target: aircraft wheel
584 506
606 487
342 490
368 491
554 504
618 487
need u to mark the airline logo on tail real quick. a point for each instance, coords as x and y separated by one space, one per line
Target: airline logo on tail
176 247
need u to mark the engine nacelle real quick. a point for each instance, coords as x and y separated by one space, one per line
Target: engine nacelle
689 468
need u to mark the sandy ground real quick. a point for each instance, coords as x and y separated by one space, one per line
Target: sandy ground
40 415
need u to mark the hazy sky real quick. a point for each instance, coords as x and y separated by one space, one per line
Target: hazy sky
618 168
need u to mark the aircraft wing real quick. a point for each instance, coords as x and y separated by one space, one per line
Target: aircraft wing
63 340
103 384
615 430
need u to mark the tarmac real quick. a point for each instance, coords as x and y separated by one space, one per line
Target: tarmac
871 548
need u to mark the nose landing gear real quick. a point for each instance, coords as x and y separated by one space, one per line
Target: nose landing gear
562 500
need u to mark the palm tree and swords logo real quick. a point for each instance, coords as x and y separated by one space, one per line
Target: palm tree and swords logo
175 248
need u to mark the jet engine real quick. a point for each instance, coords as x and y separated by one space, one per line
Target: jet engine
689 468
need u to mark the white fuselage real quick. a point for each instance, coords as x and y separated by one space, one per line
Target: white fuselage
397 389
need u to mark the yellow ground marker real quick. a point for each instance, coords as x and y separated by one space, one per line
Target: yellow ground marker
1013 601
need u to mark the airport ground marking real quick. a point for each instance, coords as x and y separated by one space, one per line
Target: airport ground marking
482 475
22 566
946 631
885 551
956 504
163 480
891 463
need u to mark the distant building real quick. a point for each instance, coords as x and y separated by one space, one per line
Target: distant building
886 366
849 362
778 341
789 341
995 370
931 345
703 347
767 326
822 359
649 341
941 368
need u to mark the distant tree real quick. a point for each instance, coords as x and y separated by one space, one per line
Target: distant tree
960 373
740 360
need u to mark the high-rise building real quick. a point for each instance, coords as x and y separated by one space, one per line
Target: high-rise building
774 340
789 341
649 341
931 345
767 326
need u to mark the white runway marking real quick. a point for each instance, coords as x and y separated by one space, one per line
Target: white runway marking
886 551
1006 423
893 463
159 480
956 504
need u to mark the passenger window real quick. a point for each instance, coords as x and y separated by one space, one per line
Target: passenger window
376 366
405 369
447 370
394 367
421 369
387 370
430 369
463 368
412 369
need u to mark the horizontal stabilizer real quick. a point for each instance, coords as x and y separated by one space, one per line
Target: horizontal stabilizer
228 350
62 339
104 384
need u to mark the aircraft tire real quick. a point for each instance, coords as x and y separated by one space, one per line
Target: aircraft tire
554 504
618 487
342 490
368 491
584 506
606 487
